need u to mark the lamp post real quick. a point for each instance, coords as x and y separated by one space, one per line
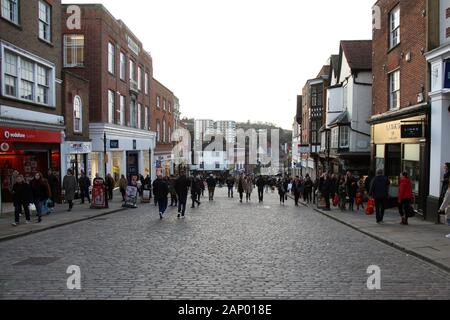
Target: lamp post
104 151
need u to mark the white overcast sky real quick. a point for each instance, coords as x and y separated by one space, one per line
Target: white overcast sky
241 59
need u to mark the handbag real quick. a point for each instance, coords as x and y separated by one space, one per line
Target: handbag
336 200
32 207
410 212
370 210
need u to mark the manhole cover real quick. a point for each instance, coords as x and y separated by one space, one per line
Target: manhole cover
37 261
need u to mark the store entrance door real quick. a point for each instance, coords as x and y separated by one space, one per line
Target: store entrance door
132 164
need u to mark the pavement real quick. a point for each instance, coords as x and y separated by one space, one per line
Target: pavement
222 250
60 217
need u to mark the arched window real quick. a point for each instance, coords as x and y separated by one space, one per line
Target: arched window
164 131
77 115
158 131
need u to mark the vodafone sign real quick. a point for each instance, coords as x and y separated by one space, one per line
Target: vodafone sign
24 135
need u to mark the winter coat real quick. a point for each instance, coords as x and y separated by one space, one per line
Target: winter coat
84 182
53 182
352 187
123 183
230 182
160 189
326 187
445 207
195 186
182 186
39 190
69 186
172 186
405 189
297 187
211 181
308 185
379 188
22 193
241 185
260 183
249 186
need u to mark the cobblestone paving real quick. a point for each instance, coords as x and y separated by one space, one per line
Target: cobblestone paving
222 250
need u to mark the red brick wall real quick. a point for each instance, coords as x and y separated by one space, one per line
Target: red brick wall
413 74
75 86
159 114
26 36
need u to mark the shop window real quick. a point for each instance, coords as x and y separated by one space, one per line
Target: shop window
411 164
77 115
379 157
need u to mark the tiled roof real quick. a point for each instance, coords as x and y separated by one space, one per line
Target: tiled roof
358 53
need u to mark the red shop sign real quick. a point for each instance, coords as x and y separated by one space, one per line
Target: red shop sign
25 135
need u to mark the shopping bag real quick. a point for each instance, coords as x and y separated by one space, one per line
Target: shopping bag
410 212
370 207
32 208
358 199
336 200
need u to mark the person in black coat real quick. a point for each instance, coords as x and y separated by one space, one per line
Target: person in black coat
352 189
326 189
230 184
308 189
297 190
196 191
181 188
160 191
261 183
211 182
379 191
53 182
22 195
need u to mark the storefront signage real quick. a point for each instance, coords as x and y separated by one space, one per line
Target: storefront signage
26 135
114 144
391 132
303 149
412 131
80 148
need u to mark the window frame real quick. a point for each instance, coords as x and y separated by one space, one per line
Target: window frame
15 13
158 131
74 49
139 81
394 30
122 106
111 58
45 23
36 61
123 66
344 132
111 106
80 119
392 91
146 89
139 116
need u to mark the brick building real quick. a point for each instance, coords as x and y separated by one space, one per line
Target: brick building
104 51
31 121
400 142
163 123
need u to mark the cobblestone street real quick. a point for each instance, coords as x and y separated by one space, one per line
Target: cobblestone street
222 250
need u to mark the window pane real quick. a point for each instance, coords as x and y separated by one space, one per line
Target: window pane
412 152
10 64
42 77
42 95
27 69
26 91
10 86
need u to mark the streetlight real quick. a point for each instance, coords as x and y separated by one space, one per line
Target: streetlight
104 151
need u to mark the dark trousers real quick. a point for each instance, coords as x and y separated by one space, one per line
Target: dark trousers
70 204
182 204
248 196
162 201
282 197
261 194
173 200
327 201
241 195
297 197
379 209
307 196
123 192
84 193
351 202
110 193
18 210
403 208
195 198
211 193
230 192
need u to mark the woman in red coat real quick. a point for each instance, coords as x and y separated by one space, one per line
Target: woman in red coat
405 197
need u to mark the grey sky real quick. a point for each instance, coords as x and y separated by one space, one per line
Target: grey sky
241 59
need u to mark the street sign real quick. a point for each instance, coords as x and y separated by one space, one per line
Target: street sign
412 131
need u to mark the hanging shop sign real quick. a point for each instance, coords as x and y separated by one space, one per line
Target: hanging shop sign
409 131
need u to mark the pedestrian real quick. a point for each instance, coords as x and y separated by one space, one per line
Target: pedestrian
297 189
260 184
230 184
379 190
342 194
110 184
326 190
53 182
84 183
248 188
352 188
241 186
195 191
445 182
405 197
211 183
173 193
17 206
161 191
281 190
69 186
22 195
308 188
40 192
360 193
123 183
201 183
181 188
445 207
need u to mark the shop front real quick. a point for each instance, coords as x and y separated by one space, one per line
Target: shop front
399 146
27 151
164 165
77 156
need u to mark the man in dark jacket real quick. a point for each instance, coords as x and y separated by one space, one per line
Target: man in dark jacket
261 183
296 189
379 190
211 182
53 182
22 195
230 184
84 184
196 191
160 191
181 188
326 190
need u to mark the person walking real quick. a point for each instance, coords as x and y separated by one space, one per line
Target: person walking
342 192
352 188
379 190
69 186
53 182
110 184
161 191
405 197
445 207
230 184
445 182
281 190
248 188
181 188
123 183
211 183
241 186
196 191
308 188
84 183
173 193
297 189
327 190
359 200
22 195
260 184
40 193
